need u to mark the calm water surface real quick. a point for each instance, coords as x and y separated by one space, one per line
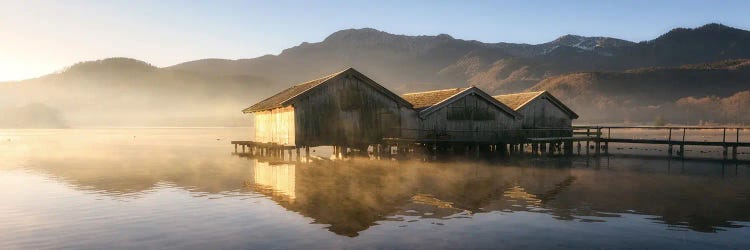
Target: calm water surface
184 189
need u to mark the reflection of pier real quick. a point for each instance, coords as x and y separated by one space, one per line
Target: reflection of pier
672 136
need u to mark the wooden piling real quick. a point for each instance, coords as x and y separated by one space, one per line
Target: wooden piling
725 153
551 149
307 153
734 153
502 150
606 148
568 147
598 141
669 142
588 135
737 140
682 145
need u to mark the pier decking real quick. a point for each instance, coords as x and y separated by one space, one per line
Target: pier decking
674 136
267 149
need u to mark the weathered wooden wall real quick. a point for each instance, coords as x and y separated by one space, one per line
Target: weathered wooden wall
542 113
276 126
470 118
410 123
349 112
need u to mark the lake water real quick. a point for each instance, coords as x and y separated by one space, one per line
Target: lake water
182 188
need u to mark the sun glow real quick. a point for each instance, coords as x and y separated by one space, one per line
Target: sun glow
14 69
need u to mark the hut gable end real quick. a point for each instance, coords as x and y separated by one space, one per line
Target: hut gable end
423 100
518 101
348 111
277 100
540 110
431 101
468 116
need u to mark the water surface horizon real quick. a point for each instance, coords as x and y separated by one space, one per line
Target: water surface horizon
183 188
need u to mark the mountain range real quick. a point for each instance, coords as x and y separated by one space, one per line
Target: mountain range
606 80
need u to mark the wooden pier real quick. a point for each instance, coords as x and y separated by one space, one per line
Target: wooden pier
271 150
677 136
580 140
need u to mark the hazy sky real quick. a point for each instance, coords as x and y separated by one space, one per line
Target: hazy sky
40 37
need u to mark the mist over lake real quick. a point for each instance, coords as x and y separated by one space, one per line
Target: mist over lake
184 188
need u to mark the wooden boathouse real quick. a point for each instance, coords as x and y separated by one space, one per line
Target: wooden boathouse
345 109
348 110
540 109
465 115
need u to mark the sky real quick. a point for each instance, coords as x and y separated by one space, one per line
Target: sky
41 37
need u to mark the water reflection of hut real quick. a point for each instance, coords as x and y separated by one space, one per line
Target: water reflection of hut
279 179
354 195
351 199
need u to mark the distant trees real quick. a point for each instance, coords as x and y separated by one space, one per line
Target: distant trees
35 115
733 109
659 121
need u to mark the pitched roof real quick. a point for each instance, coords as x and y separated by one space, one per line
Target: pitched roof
286 96
430 101
278 99
519 100
421 100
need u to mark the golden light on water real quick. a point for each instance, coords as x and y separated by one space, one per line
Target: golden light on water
277 178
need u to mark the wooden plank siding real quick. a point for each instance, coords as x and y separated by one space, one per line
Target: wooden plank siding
275 126
470 118
349 112
543 119
542 113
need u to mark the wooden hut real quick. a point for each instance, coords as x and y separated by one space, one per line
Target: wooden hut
541 111
346 108
462 115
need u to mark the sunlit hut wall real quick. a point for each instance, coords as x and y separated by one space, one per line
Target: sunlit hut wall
344 109
463 114
275 125
541 110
